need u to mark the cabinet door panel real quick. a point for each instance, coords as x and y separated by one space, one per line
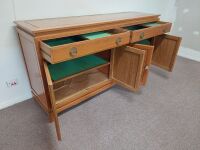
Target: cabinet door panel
127 65
165 52
147 60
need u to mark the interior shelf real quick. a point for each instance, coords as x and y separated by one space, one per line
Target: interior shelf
79 84
74 66
145 42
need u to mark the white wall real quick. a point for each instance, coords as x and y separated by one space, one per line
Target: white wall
11 62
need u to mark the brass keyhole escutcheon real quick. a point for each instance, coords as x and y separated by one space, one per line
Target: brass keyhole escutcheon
118 41
142 35
164 30
73 52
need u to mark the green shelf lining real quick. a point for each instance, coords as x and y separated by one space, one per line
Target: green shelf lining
74 66
144 42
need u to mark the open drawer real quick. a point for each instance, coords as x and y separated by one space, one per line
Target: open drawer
130 65
62 49
148 30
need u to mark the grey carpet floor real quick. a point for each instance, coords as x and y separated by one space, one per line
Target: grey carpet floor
165 115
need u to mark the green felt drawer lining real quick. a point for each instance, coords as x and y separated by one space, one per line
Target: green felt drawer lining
153 24
95 35
64 40
67 40
71 67
134 28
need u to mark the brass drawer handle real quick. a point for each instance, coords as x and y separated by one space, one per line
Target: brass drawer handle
142 35
118 41
73 52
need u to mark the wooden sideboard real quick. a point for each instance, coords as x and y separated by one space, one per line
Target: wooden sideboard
71 59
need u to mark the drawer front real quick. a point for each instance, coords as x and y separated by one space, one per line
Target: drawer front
65 52
150 32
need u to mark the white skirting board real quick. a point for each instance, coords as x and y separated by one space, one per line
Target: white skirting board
189 53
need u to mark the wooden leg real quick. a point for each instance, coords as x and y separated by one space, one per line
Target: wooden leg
52 114
57 125
51 117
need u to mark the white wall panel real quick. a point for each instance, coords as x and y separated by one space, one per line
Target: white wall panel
11 60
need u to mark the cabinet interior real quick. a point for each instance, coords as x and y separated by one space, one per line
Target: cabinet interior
76 75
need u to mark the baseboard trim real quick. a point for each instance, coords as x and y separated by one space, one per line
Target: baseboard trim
14 101
189 53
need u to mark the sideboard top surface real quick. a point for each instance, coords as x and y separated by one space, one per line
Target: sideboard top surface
53 24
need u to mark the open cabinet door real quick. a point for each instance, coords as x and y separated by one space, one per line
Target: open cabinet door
165 52
147 60
127 65
53 101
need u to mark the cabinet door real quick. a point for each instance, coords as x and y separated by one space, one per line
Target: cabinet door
127 65
147 60
165 52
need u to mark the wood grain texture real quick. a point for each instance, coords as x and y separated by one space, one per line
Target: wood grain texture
79 83
166 49
33 68
147 60
53 24
127 65
54 112
80 97
150 32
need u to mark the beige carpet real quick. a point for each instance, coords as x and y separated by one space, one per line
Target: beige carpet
165 115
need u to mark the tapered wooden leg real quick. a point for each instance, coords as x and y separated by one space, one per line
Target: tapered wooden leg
51 117
57 125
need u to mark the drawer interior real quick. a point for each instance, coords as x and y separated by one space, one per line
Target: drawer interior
73 76
135 27
145 25
153 24
62 41
82 37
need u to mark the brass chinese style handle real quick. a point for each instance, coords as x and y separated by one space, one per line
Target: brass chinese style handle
73 52
118 41
142 35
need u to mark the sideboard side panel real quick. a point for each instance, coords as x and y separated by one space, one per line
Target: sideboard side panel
31 58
